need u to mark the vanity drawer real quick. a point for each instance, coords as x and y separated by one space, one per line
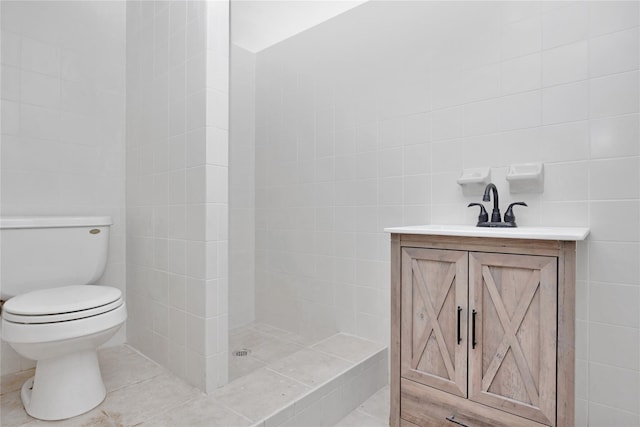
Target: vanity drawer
425 406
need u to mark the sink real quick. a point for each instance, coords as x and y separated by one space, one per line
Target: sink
537 233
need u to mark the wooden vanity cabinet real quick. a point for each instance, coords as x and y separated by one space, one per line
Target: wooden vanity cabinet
482 332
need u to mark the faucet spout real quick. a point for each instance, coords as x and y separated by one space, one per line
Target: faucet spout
495 214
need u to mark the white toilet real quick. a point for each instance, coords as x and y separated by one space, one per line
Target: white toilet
53 314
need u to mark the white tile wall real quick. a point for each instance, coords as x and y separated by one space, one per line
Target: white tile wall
217 160
177 197
242 189
374 130
63 120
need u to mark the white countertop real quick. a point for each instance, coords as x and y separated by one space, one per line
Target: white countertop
537 233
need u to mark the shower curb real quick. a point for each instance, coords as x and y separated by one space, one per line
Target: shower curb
329 402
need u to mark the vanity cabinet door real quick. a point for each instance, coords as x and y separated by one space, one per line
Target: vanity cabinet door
512 365
434 291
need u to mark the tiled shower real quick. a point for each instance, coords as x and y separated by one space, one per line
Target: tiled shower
254 185
367 120
177 197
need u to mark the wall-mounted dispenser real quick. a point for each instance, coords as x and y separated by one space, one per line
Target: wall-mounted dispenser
474 180
526 178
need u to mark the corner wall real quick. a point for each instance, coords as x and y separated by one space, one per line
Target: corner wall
242 188
216 359
177 144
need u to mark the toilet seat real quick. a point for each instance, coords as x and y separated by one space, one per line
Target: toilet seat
61 304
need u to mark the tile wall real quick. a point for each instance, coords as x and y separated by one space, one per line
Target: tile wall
242 189
63 120
177 113
216 361
367 120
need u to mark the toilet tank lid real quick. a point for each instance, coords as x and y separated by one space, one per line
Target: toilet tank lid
53 221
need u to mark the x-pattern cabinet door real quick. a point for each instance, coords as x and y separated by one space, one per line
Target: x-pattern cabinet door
434 318
512 366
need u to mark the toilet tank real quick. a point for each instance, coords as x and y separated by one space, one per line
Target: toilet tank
44 252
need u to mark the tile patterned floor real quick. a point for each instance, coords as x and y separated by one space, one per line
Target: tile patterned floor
141 393
267 344
283 367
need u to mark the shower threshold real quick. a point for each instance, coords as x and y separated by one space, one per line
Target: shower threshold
283 380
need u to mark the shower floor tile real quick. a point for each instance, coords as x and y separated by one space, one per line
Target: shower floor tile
348 347
200 412
266 344
310 367
241 366
260 394
317 384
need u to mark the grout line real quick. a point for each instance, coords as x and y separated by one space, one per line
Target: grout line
268 368
359 409
593 362
593 322
333 355
232 410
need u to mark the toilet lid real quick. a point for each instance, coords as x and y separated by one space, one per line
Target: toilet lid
72 301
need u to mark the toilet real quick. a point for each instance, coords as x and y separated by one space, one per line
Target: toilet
53 311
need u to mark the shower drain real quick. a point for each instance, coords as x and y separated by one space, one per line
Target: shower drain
241 353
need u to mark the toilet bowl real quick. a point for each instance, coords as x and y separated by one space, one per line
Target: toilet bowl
60 327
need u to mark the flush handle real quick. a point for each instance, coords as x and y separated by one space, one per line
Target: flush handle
94 231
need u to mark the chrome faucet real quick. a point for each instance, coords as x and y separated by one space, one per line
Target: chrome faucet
496 218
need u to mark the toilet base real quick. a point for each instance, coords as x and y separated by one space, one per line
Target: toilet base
64 386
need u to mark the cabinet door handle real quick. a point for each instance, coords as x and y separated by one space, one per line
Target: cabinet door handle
458 327
452 419
473 329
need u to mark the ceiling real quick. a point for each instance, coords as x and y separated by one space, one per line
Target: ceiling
258 24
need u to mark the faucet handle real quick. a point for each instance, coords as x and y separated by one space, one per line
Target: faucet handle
484 216
509 216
